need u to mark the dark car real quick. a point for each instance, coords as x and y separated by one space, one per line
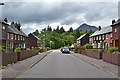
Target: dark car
65 50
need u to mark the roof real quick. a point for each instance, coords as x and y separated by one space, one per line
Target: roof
104 30
82 36
36 36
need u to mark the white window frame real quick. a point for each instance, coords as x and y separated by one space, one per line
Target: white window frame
115 30
103 37
96 37
11 36
100 37
15 37
8 36
21 38
18 37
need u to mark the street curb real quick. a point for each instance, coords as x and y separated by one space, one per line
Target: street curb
97 66
34 64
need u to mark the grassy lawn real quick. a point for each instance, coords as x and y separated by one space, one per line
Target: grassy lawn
1 68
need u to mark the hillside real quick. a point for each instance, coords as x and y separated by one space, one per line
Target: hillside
86 27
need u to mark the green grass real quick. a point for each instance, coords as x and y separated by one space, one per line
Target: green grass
1 67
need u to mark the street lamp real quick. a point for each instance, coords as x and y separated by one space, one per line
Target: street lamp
44 41
50 44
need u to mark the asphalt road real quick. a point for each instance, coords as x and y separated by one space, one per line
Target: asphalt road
58 65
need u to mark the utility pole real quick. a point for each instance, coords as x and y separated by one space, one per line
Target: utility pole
50 44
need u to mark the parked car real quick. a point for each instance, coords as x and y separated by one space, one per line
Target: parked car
65 50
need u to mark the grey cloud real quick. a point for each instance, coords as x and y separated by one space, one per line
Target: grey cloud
65 12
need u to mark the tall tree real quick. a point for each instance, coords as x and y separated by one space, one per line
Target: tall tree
57 30
36 32
77 34
70 30
61 30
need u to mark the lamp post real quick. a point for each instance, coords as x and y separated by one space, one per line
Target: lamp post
50 44
44 41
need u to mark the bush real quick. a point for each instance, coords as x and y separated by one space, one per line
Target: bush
95 50
111 50
17 49
2 49
32 48
82 48
89 46
76 48
28 49
116 52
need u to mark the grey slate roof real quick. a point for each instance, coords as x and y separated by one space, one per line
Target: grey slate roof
104 30
81 36
36 37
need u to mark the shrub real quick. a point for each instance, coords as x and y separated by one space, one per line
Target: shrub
116 52
32 48
28 49
17 49
2 49
89 46
76 48
82 48
111 50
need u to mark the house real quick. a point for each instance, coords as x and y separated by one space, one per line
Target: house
82 40
101 38
12 36
34 41
116 34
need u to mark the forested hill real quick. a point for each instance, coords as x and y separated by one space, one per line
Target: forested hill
86 27
59 37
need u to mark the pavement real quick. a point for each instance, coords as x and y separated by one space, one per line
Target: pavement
105 66
16 69
58 65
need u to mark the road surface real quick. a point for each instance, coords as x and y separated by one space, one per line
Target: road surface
58 65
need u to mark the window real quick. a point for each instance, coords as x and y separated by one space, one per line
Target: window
18 37
11 36
96 37
111 35
90 39
99 37
107 36
15 37
21 38
8 37
115 30
3 28
103 37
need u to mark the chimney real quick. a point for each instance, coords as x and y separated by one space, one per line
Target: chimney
113 21
99 28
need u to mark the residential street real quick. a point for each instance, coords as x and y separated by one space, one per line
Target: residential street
58 65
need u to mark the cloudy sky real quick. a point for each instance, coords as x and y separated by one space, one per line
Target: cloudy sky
37 15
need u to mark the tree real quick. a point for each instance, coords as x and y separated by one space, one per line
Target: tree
77 34
70 30
49 28
57 30
61 30
36 32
